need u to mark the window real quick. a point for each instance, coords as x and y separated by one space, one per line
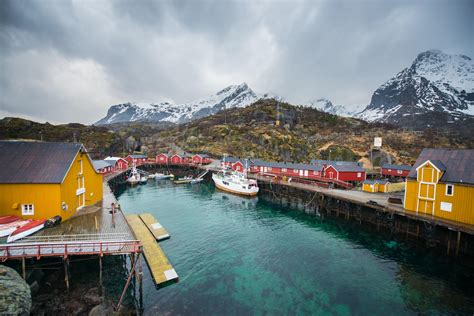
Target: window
27 209
449 189
295 170
359 174
399 171
283 170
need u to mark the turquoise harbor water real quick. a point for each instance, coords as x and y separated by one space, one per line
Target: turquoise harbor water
244 256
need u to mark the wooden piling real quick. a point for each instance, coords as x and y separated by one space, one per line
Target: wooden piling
23 267
458 242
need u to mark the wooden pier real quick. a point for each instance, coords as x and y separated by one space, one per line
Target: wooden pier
160 268
158 231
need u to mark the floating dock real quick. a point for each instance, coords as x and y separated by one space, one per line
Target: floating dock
158 231
160 268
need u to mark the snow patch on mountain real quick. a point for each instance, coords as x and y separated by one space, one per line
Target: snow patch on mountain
435 83
327 106
230 97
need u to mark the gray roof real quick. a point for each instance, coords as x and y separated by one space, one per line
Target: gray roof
348 168
289 165
334 162
231 159
112 161
202 155
396 167
36 162
457 163
137 156
100 164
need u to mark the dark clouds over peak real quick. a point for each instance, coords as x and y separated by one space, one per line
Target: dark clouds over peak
69 61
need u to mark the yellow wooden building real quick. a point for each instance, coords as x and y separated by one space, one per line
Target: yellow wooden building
40 180
379 185
441 184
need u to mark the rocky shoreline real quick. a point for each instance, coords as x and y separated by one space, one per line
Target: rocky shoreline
45 292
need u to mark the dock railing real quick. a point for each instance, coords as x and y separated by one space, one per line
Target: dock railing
65 248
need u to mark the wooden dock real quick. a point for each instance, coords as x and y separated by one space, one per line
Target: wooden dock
160 268
158 231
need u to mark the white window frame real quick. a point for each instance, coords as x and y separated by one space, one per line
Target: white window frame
359 174
283 170
452 189
27 209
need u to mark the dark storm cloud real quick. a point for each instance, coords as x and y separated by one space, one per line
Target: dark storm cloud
68 61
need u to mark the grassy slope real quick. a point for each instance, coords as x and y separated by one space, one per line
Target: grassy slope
303 134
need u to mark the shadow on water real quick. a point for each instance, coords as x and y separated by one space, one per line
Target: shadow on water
349 269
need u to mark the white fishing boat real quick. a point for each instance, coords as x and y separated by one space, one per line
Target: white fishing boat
134 177
235 182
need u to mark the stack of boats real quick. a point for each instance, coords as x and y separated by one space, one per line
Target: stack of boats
16 228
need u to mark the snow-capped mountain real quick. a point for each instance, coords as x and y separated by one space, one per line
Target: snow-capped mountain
230 97
437 89
327 106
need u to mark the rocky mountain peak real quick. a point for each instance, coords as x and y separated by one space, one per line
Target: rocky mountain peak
436 90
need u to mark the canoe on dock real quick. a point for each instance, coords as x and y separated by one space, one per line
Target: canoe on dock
158 231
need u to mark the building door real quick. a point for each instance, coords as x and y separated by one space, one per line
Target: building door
426 198
301 172
306 173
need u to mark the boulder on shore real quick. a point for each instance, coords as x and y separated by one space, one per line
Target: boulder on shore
15 295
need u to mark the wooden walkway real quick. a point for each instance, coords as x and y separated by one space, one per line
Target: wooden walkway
363 198
160 268
158 231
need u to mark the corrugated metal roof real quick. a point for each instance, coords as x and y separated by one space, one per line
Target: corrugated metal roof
396 167
35 162
457 163
100 164
137 156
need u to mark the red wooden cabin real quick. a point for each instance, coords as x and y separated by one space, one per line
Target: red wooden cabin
201 159
344 172
389 170
162 158
137 159
117 162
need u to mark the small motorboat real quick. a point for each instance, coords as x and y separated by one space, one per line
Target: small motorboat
26 230
162 176
143 180
134 177
7 229
183 180
8 219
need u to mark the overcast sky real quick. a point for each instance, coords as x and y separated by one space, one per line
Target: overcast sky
64 61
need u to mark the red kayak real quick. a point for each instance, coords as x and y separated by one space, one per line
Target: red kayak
8 219
26 230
